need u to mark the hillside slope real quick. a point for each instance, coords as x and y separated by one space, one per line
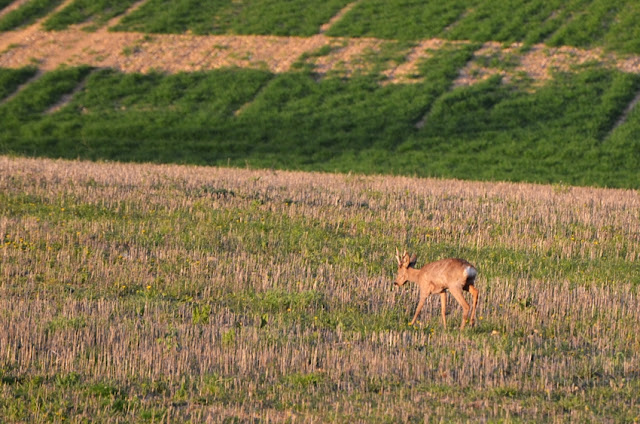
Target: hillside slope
320 100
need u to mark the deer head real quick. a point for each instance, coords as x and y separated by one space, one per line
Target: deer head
404 263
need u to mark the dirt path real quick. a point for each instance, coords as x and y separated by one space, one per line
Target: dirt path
135 52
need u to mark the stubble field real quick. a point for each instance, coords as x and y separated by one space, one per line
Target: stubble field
165 293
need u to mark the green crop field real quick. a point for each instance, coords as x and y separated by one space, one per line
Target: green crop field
582 23
579 126
563 132
162 293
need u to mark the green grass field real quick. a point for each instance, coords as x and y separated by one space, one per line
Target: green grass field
144 293
573 129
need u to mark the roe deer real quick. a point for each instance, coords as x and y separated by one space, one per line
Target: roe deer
437 277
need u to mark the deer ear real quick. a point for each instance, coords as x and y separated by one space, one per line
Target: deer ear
413 260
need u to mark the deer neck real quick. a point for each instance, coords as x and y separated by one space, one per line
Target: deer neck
413 274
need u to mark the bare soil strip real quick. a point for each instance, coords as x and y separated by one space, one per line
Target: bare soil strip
135 52
623 118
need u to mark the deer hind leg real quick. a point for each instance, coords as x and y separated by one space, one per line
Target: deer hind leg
474 294
418 309
457 294
443 302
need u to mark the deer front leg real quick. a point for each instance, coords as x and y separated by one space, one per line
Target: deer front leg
418 309
443 302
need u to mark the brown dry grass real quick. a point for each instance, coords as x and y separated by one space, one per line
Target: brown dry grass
185 290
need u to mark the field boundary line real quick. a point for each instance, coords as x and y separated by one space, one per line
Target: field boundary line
116 19
87 42
625 114
423 50
39 73
327 26
239 111
11 7
26 35
65 99
425 116
466 12
453 84
58 9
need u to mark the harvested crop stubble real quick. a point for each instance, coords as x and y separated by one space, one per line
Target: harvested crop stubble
133 292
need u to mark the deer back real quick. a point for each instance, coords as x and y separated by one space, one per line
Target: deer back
446 273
